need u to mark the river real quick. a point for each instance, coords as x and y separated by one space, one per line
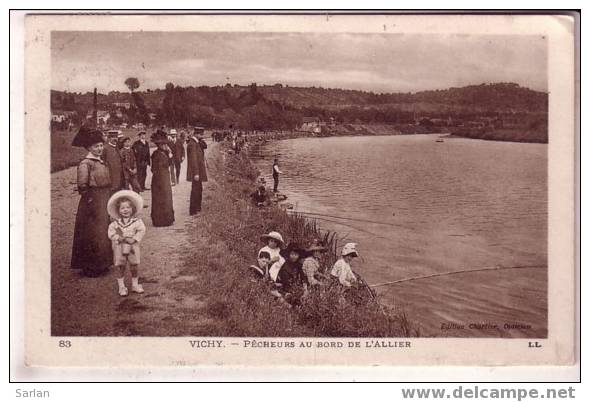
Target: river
418 207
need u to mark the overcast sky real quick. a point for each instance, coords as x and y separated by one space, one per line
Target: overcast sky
374 62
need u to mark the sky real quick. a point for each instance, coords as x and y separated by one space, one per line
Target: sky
371 62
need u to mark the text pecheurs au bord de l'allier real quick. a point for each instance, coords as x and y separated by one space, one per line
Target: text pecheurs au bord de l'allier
319 344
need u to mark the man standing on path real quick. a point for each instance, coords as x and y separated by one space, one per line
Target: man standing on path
141 148
196 172
112 159
275 175
177 148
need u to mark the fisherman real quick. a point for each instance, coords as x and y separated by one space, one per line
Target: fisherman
342 269
290 277
311 265
275 175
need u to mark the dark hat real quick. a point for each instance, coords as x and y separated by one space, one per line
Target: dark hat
199 129
114 133
293 247
86 137
159 137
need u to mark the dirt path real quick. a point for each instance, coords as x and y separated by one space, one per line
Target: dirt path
92 307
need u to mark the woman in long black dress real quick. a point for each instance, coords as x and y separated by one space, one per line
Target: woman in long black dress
91 250
162 207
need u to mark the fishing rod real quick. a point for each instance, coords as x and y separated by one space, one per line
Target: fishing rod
344 224
360 230
349 219
496 268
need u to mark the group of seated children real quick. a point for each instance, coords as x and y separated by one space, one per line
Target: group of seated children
294 270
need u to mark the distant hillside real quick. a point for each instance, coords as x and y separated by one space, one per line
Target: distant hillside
501 105
497 97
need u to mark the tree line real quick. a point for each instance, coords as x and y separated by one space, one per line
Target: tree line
266 107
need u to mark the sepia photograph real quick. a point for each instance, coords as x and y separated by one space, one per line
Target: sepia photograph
298 184
262 185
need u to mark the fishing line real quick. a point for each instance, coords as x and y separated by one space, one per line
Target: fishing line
497 268
343 224
355 228
350 219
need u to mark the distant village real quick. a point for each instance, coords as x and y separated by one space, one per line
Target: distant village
489 111
117 118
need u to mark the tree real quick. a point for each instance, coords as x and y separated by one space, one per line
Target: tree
132 83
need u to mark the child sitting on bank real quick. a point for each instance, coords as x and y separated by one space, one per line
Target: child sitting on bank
274 241
311 264
342 269
260 196
125 232
290 281
260 271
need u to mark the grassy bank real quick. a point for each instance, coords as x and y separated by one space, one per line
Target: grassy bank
241 306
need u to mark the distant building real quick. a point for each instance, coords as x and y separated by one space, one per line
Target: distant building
102 116
124 105
311 125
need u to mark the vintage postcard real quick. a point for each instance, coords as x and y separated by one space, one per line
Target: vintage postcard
299 190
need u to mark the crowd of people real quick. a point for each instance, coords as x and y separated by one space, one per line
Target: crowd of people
110 180
295 271
108 230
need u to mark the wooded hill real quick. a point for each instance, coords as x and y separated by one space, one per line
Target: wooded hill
284 107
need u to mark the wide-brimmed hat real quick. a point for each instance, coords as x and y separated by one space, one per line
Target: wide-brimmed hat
159 137
350 248
86 137
131 196
273 235
317 245
293 247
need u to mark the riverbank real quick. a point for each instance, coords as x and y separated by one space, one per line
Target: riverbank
538 136
242 307
196 273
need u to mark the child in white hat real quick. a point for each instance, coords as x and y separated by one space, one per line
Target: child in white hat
274 241
125 232
342 269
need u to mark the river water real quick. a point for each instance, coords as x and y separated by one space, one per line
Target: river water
418 207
